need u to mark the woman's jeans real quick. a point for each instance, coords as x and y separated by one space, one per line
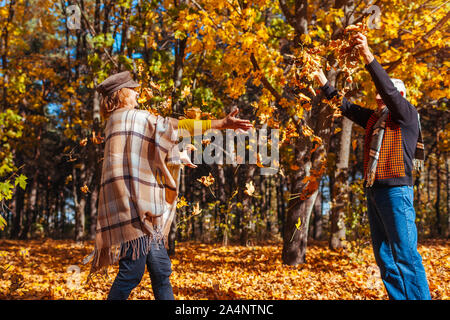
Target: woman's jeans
131 272
394 240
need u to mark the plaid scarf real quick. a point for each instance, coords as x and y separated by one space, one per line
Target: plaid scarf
419 155
139 186
375 146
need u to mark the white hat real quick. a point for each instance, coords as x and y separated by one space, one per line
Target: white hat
400 86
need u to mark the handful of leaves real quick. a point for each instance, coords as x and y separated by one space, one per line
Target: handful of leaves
305 63
346 54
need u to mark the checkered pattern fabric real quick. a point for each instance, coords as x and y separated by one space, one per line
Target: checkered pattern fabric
139 185
390 159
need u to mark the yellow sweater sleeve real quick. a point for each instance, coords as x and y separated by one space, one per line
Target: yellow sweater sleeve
188 124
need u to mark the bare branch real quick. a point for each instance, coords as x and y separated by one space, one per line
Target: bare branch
92 32
264 80
287 13
437 26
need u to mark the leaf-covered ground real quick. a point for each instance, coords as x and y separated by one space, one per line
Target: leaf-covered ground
41 270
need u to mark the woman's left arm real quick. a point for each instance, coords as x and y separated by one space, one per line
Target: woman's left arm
229 122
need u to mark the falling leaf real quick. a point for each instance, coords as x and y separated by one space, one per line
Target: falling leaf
259 160
193 113
196 210
250 188
96 139
68 179
207 180
206 142
354 144
3 223
155 86
146 95
186 92
303 97
84 189
298 224
83 142
181 203
307 131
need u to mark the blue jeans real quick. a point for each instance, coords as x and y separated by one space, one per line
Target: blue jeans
394 240
132 271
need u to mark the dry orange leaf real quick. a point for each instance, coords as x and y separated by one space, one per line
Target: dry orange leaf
249 188
207 180
197 209
96 139
83 142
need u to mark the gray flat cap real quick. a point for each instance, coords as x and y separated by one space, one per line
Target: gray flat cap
115 82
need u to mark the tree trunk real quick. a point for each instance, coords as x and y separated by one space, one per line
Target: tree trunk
272 227
171 238
30 210
340 189
79 203
178 75
295 240
300 207
438 196
93 212
281 204
299 210
447 169
317 221
246 210
63 214
94 155
18 213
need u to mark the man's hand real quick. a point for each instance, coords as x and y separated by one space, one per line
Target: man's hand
363 48
231 122
320 77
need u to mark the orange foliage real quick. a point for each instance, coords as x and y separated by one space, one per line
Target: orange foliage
41 270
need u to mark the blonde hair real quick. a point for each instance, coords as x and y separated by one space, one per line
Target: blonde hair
113 101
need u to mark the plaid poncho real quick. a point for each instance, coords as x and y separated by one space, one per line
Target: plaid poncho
139 185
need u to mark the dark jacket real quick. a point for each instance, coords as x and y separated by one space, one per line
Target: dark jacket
395 163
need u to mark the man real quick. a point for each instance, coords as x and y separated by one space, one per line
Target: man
391 144
139 187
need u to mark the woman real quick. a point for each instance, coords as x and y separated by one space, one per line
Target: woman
139 186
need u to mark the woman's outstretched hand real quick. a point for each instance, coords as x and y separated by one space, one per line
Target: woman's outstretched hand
232 122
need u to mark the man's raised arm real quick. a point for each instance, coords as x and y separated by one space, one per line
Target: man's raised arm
400 108
354 112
